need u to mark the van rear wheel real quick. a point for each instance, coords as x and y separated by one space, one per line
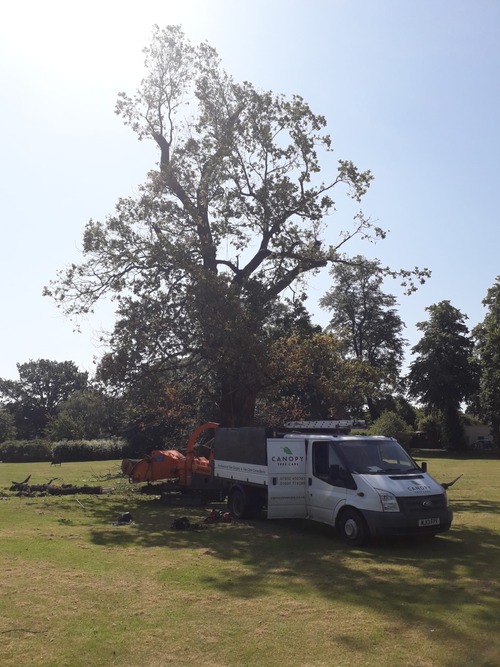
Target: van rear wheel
352 528
237 503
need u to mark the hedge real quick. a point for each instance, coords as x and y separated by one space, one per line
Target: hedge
88 450
25 451
30 451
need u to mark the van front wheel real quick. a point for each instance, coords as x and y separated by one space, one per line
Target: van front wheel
352 528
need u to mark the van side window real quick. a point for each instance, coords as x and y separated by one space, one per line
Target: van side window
328 467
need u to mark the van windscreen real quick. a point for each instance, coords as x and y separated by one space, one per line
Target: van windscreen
376 457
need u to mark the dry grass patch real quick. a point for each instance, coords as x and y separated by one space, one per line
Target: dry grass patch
79 591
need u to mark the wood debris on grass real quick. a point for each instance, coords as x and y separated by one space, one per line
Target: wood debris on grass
26 489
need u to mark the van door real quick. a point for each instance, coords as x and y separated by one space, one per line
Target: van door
286 463
327 481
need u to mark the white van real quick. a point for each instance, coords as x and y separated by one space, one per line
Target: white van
364 486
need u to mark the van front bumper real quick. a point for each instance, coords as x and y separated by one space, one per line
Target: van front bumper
394 524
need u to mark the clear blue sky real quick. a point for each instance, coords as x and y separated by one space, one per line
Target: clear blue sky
410 89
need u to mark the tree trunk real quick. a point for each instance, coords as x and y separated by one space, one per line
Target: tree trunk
237 404
372 409
454 432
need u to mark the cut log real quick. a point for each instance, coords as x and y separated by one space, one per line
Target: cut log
24 489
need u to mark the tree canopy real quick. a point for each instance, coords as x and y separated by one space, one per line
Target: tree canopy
487 350
7 426
235 216
88 414
310 378
42 386
443 374
365 318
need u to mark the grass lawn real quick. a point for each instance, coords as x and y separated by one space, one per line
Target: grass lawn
78 590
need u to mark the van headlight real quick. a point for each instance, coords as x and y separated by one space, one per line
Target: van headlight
389 502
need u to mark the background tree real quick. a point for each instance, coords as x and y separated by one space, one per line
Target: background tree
310 378
65 427
160 407
487 351
393 426
443 375
87 414
233 218
365 317
399 404
166 417
41 387
7 426
431 428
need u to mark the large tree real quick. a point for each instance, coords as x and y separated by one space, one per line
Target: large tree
443 374
234 216
365 317
42 386
487 350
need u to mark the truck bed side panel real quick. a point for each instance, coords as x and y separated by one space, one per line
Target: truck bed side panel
241 472
241 445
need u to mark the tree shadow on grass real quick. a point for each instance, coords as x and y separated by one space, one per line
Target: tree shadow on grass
423 582
475 506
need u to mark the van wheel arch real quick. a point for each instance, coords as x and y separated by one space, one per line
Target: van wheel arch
245 502
352 527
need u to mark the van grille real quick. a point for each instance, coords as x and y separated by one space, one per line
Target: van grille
412 505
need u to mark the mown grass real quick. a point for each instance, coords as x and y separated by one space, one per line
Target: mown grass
78 590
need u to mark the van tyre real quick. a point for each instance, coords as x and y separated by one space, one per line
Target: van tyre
352 528
237 503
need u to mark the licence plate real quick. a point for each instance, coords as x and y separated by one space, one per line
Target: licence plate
428 522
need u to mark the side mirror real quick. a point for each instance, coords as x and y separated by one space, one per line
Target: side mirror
423 465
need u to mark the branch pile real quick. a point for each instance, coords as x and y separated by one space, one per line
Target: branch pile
25 489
